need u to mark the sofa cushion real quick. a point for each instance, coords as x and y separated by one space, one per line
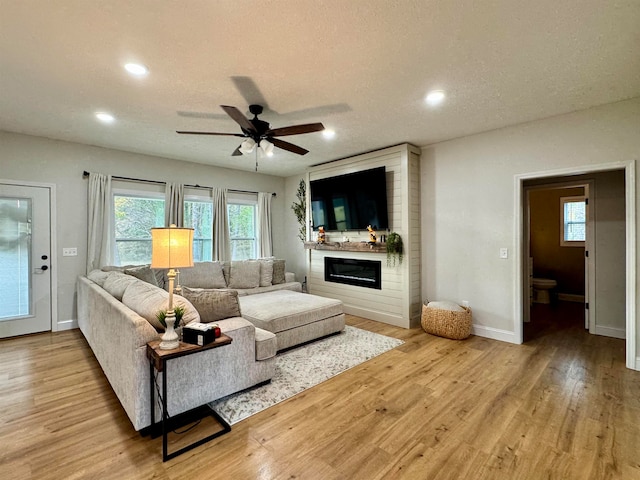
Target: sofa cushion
283 310
266 344
203 275
266 272
244 274
144 273
147 300
226 271
117 282
278 271
213 305
98 276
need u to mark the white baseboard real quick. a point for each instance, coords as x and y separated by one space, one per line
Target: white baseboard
390 319
67 325
570 297
637 363
494 333
614 332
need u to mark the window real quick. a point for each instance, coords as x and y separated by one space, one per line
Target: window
198 214
135 216
242 229
573 214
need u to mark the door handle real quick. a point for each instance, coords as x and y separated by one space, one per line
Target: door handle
44 268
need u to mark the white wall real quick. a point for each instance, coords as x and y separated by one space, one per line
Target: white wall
468 198
37 159
296 254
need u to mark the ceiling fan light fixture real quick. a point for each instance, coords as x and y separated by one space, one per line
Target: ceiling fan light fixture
435 97
136 69
267 147
328 133
105 117
247 146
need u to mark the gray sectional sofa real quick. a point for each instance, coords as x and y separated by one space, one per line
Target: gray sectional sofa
116 314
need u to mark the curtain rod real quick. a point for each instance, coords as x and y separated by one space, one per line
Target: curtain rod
85 174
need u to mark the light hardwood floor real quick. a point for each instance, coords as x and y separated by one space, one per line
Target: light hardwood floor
561 406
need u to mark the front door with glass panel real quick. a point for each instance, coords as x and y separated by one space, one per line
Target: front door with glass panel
25 252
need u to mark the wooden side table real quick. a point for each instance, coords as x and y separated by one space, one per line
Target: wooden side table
158 361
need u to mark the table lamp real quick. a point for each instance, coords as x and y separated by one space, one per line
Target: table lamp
171 248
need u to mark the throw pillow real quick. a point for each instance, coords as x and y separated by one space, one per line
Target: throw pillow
203 275
266 272
98 276
244 274
143 272
278 272
117 282
213 305
226 271
147 300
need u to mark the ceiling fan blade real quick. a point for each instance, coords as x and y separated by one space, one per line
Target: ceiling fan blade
236 153
211 133
296 129
240 119
288 146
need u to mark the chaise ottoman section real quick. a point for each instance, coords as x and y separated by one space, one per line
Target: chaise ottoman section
293 317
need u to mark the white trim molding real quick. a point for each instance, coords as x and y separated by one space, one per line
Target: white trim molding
494 333
67 325
614 332
629 167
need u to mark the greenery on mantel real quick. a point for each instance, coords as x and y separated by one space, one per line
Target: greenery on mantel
300 210
394 249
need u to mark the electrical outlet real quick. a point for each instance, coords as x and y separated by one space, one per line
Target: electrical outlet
69 252
504 253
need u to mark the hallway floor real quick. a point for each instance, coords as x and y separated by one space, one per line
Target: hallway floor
558 318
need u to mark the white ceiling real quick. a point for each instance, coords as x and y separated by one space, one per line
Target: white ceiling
360 67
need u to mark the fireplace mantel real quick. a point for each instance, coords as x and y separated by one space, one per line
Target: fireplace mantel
348 246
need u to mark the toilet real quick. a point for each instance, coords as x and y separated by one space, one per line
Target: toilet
541 289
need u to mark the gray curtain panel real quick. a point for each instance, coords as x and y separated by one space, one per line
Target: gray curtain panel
99 247
221 243
174 204
265 243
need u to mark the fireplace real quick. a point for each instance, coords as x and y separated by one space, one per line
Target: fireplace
361 273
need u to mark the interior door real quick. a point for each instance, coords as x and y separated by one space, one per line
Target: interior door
25 252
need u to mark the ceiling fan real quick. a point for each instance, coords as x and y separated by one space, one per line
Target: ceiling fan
259 133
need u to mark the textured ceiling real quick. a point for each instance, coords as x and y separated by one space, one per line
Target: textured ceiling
360 67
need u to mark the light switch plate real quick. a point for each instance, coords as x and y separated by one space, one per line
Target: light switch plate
504 253
69 252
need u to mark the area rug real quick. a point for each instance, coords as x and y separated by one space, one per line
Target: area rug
303 367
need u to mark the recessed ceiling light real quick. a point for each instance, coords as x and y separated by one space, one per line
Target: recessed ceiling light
328 133
435 97
105 117
136 69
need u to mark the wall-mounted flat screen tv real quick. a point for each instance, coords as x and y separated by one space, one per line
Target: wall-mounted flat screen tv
350 202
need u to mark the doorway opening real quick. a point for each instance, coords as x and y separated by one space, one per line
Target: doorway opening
558 238
609 268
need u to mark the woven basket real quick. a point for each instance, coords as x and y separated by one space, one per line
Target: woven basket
446 323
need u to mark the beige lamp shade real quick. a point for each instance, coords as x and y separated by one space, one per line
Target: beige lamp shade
171 247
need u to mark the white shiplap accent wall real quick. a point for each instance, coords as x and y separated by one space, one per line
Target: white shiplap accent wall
398 303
